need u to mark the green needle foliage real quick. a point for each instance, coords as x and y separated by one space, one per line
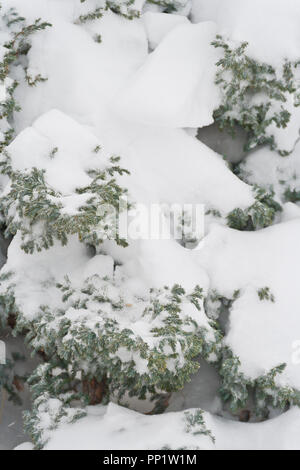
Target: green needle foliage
17 46
99 346
99 342
268 394
54 391
254 94
126 8
142 348
259 215
7 298
169 6
235 386
292 195
237 390
38 211
9 381
123 8
196 425
52 400
265 294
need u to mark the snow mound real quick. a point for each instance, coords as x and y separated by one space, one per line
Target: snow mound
169 166
83 68
56 143
158 25
175 87
34 276
114 427
263 333
270 26
269 170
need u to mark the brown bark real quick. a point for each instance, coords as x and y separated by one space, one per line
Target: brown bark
244 416
18 384
94 390
11 321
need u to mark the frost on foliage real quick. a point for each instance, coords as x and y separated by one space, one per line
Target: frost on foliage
262 307
46 415
101 429
239 390
7 297
129 9
195 424
14 43
269 170
43 211
58 401
52 400
55 405
256 96
137 345
27 280
170 6
259 215
95 9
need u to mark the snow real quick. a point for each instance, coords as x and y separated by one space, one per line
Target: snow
36 275
269 170
75 150
175 86
154 152
154 263
260 332
269 26
142 93
158 25
114 427
102 265
102 68
271 29
125 429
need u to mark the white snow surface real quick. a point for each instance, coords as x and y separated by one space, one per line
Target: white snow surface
136 103
175 87
262 333
269 26
114 427
269 170
158 25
